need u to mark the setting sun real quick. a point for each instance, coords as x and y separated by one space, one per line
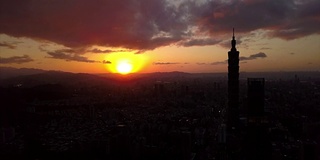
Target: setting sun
126 62
124 67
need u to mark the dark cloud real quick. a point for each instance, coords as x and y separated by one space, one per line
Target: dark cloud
200 63
219 62
73 55
142 25
16 59
253 56
8 45
65 50
164 63
304 21
95 50
100 51
69 55
140 51
243 59
148 24
106 62
287 19
199 42
213 63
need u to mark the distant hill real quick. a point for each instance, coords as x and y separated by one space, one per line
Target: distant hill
31 79
25 77
9 72
134 76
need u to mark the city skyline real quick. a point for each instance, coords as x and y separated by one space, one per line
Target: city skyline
159 36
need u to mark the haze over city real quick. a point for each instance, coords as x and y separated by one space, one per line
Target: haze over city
159 35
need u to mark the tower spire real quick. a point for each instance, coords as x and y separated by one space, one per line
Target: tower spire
233 41
232 33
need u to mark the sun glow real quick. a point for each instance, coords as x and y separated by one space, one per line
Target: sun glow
126 62
124 67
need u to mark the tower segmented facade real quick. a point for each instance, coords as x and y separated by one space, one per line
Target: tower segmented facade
233 86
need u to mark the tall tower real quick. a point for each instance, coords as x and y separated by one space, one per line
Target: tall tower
233 87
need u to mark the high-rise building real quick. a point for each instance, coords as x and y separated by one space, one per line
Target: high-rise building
255 97
257 143
233 87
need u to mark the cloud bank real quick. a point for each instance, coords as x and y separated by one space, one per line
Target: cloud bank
149 24
242 59
165 63
95 50
5 44
253 56
68 55
16 59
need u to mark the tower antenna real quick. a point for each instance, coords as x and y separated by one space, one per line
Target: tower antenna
233 32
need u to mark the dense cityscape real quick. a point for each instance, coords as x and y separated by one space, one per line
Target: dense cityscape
154 116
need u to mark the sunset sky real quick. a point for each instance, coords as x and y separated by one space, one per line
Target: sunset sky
94 36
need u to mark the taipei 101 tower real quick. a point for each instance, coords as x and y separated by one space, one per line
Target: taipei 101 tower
233 87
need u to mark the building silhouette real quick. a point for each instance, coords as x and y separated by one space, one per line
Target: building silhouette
233 87
257 143
232 139
255 98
